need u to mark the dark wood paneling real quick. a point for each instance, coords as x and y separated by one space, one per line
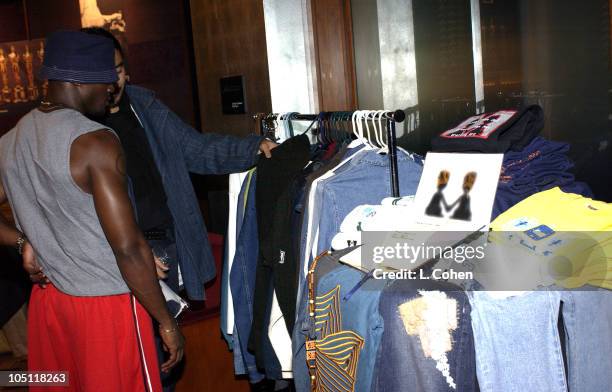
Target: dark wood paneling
159 51
229 39
333 35
46 16
12 21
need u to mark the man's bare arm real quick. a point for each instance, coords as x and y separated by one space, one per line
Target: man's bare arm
9 235
98 167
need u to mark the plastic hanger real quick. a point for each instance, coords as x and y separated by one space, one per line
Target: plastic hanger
381 128
358 130
291 117
348 130
377 133
365 121
278 131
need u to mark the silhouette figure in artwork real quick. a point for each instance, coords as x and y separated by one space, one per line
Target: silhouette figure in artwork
437 200
463 210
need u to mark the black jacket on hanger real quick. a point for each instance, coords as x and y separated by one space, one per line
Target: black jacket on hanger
274 178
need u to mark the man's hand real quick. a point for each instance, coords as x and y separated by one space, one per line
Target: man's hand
162 268
174 343
266 147
30 264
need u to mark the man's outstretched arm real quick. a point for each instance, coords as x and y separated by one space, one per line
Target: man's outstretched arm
98 166
211 153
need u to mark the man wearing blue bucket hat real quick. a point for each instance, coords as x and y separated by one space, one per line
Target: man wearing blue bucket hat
64 176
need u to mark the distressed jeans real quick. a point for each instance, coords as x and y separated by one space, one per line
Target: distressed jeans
427 343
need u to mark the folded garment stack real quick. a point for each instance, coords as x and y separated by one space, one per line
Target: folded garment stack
541 165
531 163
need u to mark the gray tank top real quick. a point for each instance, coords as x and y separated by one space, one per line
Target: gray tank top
57 216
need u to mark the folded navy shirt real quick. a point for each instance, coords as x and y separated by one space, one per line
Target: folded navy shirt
498 132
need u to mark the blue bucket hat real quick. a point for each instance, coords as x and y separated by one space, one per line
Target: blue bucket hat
73 56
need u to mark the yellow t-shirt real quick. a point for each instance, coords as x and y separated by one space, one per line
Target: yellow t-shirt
572 233
558 210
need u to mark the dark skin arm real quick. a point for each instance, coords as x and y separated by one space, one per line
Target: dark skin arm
97 165
8 237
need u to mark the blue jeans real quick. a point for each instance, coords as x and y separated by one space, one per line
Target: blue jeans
402 364
242 283
517 342
518 347
588 324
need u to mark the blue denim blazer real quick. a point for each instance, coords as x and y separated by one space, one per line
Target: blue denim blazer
178 149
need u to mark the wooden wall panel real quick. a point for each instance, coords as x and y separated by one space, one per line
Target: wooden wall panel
46 16
333 36
13 21
229 39
159 52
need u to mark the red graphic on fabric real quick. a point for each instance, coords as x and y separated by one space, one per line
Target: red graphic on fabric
480 126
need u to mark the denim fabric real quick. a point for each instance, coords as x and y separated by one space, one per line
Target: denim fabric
227 309
588 324
178 149
366 180
310 216
518 347
362 180
240 367
402 364
223 317
358 312
242 280
517 342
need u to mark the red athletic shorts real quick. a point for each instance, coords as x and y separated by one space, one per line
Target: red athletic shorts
104 343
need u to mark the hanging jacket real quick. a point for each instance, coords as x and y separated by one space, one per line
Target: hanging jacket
178 149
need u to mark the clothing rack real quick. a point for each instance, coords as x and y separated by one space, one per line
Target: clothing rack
392 117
